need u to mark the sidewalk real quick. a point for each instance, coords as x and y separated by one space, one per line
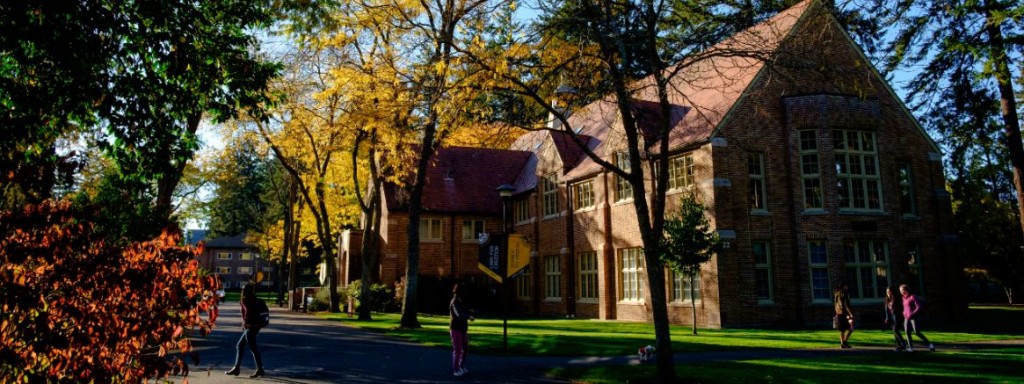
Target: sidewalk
301 348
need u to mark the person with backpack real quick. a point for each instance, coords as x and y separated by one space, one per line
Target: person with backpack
255 315
912 306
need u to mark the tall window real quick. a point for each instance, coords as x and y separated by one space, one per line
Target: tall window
867 269
550 195
552 277
857 170
681 287
914 265
471 229
623 190
680 172
755 194
588 276
522 289
584 193
223 255
430 229
810 171
224 270
761 251
631 262
521 210
817 255
907 206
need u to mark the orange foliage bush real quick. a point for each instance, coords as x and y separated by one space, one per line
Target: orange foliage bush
76 309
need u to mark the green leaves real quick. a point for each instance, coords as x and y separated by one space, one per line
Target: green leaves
689 239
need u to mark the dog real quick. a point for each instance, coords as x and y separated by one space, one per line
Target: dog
646 353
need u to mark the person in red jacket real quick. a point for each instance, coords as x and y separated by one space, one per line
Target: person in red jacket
251 324
911 309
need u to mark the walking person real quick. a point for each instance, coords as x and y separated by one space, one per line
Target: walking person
912 306
843 319
893 307
252 321
460 317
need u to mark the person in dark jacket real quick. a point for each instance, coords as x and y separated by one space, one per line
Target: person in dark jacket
893 307
250 328
460 317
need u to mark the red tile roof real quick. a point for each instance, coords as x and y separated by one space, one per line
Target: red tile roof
462 179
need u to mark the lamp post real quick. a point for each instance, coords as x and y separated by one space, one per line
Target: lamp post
505 191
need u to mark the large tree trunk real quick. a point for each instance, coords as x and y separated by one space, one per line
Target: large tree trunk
412 266
371 235
168 181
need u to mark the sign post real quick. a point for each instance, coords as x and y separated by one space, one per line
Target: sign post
503 256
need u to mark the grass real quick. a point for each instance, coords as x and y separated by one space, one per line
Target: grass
561 337
570 337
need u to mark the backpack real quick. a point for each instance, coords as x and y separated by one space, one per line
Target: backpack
263 318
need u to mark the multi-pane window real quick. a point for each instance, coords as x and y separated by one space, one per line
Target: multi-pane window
471 229
550 195
761 251
680 172
755 194
857 178
247 256
907 206
867 269
681 287
224 270
521 210
523 284
552 277
631 272
810 170
623 189
914 266
584 194
817 259
587 277
244 270
223 255
430 229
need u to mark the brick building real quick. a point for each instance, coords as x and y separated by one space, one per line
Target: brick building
235 261
813 170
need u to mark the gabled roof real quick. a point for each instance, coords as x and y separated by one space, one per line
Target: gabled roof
462 179
236 241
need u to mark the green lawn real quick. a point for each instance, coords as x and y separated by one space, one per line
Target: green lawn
552 337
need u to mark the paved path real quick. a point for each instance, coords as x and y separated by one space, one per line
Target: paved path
301 348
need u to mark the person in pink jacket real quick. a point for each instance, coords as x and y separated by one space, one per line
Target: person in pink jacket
911 308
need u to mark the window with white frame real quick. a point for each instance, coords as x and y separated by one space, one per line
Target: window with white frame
247 256
867 269
584 194
817 260
471 229
430 229
631 273
224 270
756 191
223 255
680 172
523 290
587 265
907 204
681 287
521 210
762 254
552 277
623 189
244 270
857 180
550 195
914 266
810 169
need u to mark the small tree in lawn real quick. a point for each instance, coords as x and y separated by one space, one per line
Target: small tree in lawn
689 242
